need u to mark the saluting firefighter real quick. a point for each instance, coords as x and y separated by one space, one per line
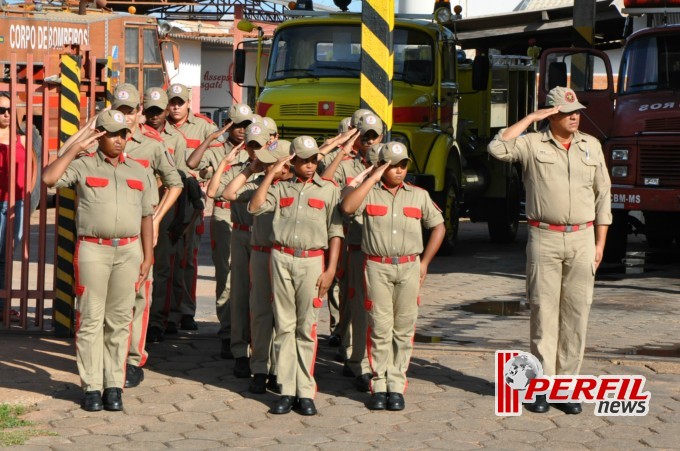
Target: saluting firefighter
568 212
393 215
306 222
114 209
147 149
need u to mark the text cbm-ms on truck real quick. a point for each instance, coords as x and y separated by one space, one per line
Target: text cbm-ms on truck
639 124
313 82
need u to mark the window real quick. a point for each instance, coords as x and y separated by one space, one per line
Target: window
650 63
131 46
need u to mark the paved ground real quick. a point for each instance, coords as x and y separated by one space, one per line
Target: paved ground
191 400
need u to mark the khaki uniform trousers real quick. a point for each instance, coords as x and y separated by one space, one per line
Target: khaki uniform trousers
358 361
560 281
105 278
137 355
240 292
161 294
261 316
220 243
296 310
392 305
185 272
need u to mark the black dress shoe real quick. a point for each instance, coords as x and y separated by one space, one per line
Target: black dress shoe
363 382
395 401
92 402
347 371
570 408
258 384
113 399
284 405
334 340
378 401
305 406
188 323
538 406
154 335
171 328
273 385
340 355
134 376
242 368
225 352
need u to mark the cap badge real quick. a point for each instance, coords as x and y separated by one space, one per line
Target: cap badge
255 130
273 146
308 143
118 117
370 120
123 95
155 95
243 109
570 97
176 89
397 149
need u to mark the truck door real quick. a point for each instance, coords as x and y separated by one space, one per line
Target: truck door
589 73
448 111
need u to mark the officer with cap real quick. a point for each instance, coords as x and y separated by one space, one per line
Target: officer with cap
393 214
114 209
270 125
148 150
568 211
306 222
262 359
344 129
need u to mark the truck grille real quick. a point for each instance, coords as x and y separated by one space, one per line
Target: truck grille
664 124
311 109
660 161
292 133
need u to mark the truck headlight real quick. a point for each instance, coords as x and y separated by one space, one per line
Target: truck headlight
620 171
620 154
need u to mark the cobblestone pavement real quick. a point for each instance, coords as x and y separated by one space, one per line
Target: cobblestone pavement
191 400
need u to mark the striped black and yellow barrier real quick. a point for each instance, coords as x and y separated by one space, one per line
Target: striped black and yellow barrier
377 58
69 122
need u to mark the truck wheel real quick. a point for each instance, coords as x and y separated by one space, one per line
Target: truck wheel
617 238
659 229
451 216
504 218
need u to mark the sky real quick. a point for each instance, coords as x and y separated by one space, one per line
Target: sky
470 7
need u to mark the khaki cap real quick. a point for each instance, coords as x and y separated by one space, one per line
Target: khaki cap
369 122
240 112
357 115
305 147
394 153
111 121
257 133
125 95
270 125
155 97
565 98
178 90
344 125
274 152
373 154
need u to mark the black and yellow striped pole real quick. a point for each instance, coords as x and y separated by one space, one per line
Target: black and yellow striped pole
69 122
377 58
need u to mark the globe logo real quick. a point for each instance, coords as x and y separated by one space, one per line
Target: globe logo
521 369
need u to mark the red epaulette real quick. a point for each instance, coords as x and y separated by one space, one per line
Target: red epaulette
330 180
206 118
152 133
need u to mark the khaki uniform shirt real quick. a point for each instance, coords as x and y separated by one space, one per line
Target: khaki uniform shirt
262 230
392 223
175 145
346 172
562 187
152 154
327 160
239 210
306 215
111 199
195 129
214 155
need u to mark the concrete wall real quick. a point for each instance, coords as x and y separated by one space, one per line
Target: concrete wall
189 72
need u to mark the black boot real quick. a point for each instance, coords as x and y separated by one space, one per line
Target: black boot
134 376
113 399
284 405
258 384
538 406
92 402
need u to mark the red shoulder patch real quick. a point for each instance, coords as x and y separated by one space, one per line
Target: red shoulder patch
204 117
151 133
330 180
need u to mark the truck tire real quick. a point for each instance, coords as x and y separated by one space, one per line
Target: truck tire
504 217
451 216
659 229
617 238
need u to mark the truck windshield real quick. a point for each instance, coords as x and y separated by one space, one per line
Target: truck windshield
335 51
651 63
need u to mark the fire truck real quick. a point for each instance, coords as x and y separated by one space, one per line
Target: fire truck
34 36
637 117
446 107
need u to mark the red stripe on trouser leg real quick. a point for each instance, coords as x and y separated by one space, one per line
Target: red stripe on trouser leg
76 278
316 345
145 323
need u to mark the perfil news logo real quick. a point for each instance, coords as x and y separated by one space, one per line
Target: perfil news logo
519 378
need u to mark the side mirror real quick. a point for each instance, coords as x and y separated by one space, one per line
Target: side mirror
239 66
480 73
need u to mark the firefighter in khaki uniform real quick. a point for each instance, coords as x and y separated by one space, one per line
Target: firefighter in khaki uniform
149 151
206 158
114 207
195 128
155 104
239 190
306 221
391 239
568 192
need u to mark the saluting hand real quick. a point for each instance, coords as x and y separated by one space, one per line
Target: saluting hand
216 134
359 179
278 166
348 146
88 140
234 151
543 113
379 171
